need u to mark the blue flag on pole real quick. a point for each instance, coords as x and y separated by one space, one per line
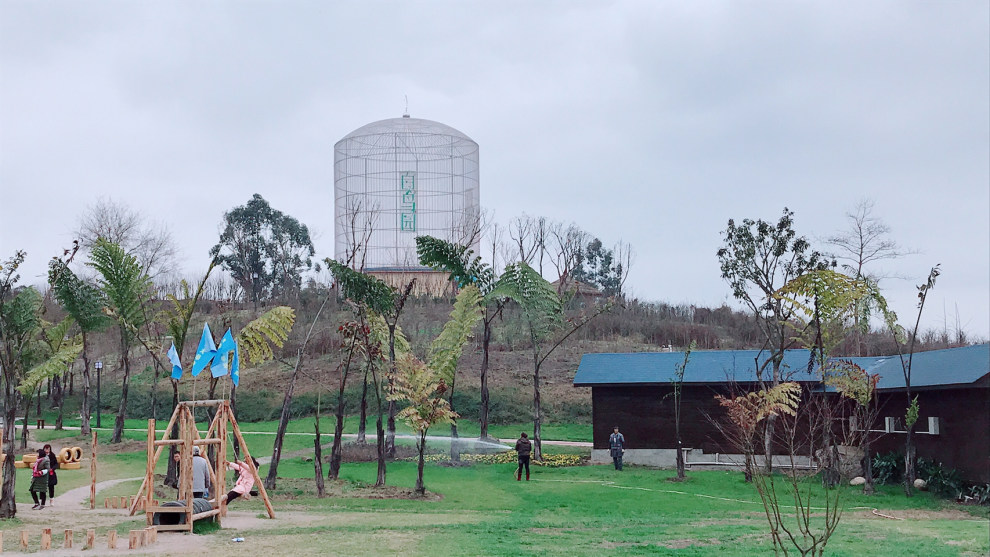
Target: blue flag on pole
173 356
204 354
235 366
219 367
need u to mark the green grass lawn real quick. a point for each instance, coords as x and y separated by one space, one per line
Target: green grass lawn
584 510
591 510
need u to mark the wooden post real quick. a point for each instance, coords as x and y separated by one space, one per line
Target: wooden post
46 538
149 477
90 539
158 452
222 459
134 539
112 539
24 539
187 468
106 502
67 540
113 502
151 534
250 464
92 476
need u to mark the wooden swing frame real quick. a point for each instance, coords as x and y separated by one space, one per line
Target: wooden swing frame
189 437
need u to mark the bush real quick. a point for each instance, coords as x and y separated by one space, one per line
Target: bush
942 481
888 468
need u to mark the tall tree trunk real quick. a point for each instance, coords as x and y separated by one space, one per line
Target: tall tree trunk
363 425
84 427
283 423
118 425
8 504
680 459
420 488
59 398
537 415
868 488
321 489
172 472
485 342
455 447
909 472
380 442
392 407
336 451
24 426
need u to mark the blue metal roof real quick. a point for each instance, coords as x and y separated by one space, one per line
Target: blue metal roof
952 366
716 366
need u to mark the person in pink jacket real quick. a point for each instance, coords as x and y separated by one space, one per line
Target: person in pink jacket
245 479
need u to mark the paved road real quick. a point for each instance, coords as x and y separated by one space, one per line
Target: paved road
509 442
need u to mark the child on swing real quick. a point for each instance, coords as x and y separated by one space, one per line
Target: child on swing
244 483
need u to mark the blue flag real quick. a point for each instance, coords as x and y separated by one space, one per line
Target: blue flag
173 356
204 354
235 367
219 367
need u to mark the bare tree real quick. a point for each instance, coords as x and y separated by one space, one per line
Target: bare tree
151 243
566 248
530 237
864 243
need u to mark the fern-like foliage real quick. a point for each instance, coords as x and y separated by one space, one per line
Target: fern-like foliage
80 299
270 329
379 337
362 289
446 349
748 410
464 267
539 301
852 381
124 284
54 365
423 389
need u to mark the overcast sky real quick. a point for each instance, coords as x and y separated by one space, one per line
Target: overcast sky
650 122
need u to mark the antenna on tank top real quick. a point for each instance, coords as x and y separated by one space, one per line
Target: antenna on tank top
406 113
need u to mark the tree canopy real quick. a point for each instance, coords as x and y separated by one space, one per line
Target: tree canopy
264 250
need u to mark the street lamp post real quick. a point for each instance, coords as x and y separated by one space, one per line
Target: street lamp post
99 406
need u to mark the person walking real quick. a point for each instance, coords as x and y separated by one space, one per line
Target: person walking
52 478
201 475
616 446
39 479
524 448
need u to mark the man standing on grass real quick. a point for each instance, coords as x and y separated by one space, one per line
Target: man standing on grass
201 475
616 446
524 448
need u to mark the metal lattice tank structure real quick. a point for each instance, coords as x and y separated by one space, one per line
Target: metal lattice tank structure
399 178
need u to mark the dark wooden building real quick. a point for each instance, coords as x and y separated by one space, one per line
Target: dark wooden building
633 391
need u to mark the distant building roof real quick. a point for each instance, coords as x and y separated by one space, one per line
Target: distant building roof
952 366
579 287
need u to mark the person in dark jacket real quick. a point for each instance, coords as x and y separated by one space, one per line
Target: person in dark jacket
616 446
52 478
39 479
524 448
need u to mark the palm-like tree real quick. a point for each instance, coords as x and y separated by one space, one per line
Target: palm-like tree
125 287
84 302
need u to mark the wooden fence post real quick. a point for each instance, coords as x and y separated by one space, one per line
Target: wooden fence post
90 539
24 539
112 539
46 538
67 541
92 476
